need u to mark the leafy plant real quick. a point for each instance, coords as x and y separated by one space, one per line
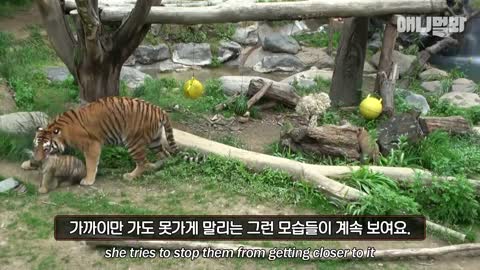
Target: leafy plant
452 201
319 39
400 155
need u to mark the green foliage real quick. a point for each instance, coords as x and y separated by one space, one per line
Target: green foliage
383 201
443 108
240 105
400 156
231 140
452 202
411 50
211 33
12 146
9 7
365 180
216 63
449 155
319 39
321 85
116 157
24 94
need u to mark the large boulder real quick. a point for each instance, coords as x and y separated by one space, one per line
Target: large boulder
368 68
147 54
192 54
462 99
250 56
390 131
433 74
309 75
163 66
464 85
22 122
433 86
228 50
7 103
279 62
56 73
246 35
317 57
418 102
404 61
280 43
133 77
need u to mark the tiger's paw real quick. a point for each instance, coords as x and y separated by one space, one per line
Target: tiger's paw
86 182
27 165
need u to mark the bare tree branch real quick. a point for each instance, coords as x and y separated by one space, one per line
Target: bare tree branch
58 31
134 23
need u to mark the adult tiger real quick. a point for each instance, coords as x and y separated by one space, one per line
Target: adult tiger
129 122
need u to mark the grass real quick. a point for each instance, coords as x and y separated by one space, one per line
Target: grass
209 33
319 39
9 7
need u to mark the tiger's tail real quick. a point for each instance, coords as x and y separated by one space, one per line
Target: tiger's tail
172 145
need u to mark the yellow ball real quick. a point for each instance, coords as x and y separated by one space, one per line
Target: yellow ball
193 88
371 107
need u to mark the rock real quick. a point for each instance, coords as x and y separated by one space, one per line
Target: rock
280 43
463 85
164 66
317 57
433 74
462 99
309 75
404 61
375 42
236 84
133 77
246 35
476 130
130 61
8 184
192 54
389 131
56 74
228 50
7 103
279 62
433 86
22 122
368 68
147 54
250 56
418 102
295 28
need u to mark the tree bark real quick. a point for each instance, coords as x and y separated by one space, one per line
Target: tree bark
328 140
451 124
386 63
255 98
281 92
236 11
348 74
387 90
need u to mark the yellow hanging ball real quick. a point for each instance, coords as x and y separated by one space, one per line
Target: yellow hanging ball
193 88
371 107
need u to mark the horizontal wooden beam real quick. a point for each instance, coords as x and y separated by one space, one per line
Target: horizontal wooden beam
236 11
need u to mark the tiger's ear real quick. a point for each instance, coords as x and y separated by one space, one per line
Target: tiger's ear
56 131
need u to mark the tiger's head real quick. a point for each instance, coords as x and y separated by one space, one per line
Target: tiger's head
47 142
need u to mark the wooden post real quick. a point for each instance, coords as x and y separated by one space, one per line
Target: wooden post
386 62
387 90
348 73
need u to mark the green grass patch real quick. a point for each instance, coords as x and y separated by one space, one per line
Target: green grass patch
9 7
319 39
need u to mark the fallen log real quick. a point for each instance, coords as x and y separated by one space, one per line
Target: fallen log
255 98
451 124
327 140
378 255
281 92
316 174
233 11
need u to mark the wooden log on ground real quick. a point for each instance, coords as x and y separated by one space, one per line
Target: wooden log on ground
236 11
227 102
387 90
348 73
315 174
378 255
280 92
255 98
327 140
450 124
385 64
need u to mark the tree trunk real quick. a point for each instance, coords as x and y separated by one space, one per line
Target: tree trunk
387 90
236 11
348 74
98 81
386 62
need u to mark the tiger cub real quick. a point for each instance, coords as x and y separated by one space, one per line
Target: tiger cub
130 122
57 169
